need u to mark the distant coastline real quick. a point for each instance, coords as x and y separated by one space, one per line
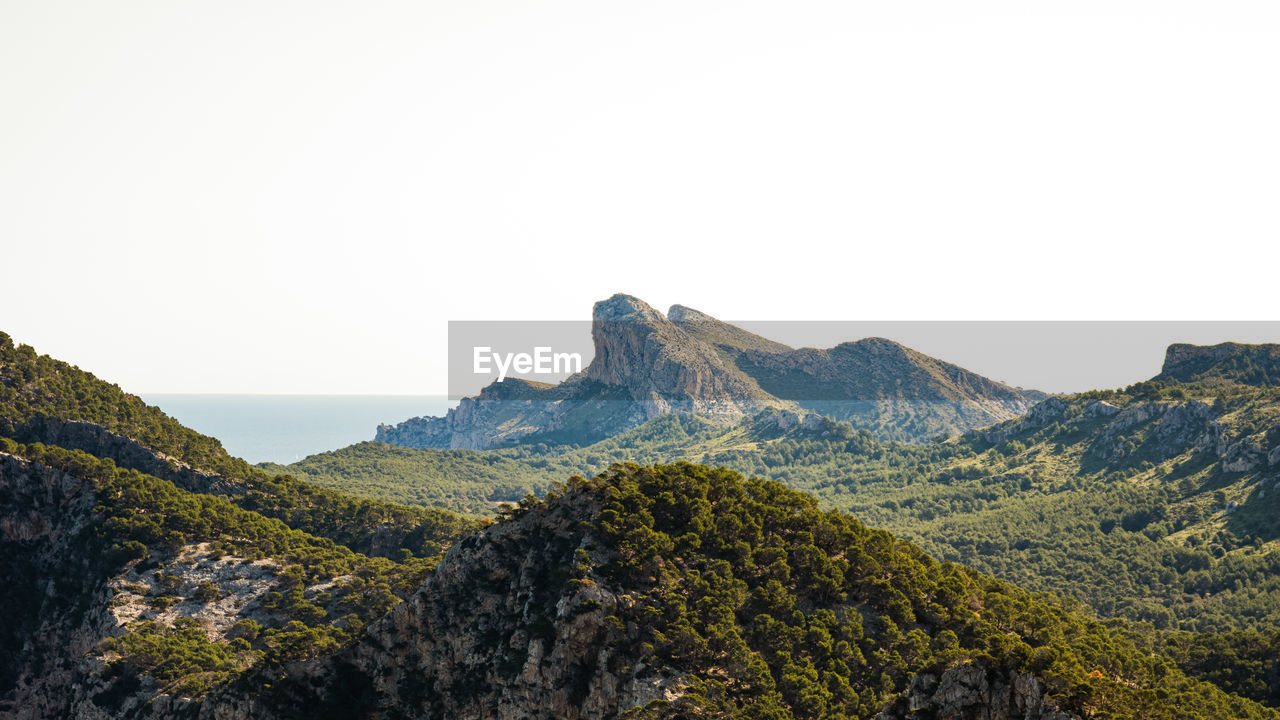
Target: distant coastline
286 428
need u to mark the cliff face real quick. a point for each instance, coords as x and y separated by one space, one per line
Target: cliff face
664 368
688 362
55 609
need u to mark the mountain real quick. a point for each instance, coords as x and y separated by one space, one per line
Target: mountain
689 363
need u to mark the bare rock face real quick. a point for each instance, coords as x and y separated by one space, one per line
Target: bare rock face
1101 408
974 692
41 521
1243 456
1046 412
663 368
1160 430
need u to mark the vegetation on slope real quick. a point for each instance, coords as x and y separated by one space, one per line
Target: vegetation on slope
775 608
34 386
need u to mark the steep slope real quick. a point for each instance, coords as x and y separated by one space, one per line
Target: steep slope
731 340
690 363
139 573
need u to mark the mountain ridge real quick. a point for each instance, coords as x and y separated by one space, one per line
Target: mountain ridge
687 362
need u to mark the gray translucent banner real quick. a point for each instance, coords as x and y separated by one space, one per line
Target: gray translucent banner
1052 357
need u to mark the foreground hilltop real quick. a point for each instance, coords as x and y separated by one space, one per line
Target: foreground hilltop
689 363
663 592
683 591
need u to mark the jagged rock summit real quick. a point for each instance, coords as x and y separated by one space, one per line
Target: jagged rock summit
687 362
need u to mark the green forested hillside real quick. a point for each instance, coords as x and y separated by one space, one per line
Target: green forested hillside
776 608
34 386
465 481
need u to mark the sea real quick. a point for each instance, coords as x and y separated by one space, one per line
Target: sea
287 428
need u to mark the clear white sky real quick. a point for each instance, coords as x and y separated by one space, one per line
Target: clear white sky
295 197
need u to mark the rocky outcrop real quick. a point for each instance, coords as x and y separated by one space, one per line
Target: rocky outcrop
975 692
1243 456
1101 408
663 368
1252 364
727 338
1046 412
1157 431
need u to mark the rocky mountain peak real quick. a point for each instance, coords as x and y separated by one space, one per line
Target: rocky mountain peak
622 307
662 366
628 335
681 314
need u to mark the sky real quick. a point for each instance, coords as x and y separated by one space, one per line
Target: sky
295 197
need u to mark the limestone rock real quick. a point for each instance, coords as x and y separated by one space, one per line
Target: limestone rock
1101 408
1243 456
974 692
